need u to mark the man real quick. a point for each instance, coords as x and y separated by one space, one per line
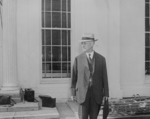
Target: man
89 79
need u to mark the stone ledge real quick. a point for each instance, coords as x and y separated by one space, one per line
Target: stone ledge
27 106
45 113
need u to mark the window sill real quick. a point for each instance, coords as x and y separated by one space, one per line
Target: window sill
147 79
54 80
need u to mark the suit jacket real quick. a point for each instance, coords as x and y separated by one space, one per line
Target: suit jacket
81 77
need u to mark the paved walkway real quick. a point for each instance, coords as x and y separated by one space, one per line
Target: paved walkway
63 110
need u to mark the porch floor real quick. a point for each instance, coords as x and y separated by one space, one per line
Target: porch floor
63 110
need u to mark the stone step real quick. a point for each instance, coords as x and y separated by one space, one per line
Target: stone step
15 95
18 107
44 113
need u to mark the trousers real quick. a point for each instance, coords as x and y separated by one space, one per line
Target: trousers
89 108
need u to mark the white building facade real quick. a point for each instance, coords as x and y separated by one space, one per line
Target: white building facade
119 26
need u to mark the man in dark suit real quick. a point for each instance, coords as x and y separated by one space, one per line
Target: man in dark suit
89 79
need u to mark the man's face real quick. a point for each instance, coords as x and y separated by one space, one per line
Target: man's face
87 46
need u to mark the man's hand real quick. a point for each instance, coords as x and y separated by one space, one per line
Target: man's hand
73 98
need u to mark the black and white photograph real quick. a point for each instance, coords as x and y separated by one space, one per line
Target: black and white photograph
74 59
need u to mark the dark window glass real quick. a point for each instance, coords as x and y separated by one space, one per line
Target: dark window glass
64 67
43 54
48 53
48 19
56 67
56 19
69 4
48 67
69 68
64 37
63 5
147 39
56 5
44 68
56 37
147 54
69 38
43 37
48 37
69 20
64 53
69 54
47 5
147 24
43 19
42 5
56 51
64 22
147 10
146 0
147 68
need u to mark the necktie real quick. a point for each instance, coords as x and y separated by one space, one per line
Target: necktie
90 59
91 69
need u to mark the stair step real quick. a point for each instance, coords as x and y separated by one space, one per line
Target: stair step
44 113
18 107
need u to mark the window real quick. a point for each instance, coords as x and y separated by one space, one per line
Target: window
56 31
147 37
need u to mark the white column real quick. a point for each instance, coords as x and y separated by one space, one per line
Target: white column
9 45
114 48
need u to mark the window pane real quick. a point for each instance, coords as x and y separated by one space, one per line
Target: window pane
64 67
43 54
56 5
56 37
64 37
147 54
147 39
146 0
63 5
147 24
69 38
147 10
56 19
147 68
48 68
43 5
43 40
56 53
47 5
48 37
64 22
43 19
69 20
48 53
69 54
69 68
48 19
64 53
44 68
56 67
69 5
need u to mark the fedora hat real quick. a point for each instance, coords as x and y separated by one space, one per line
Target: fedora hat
88 37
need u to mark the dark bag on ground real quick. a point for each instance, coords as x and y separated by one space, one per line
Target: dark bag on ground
29 95
48 101
6 100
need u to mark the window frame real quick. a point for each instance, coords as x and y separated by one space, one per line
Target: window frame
147 34
57 79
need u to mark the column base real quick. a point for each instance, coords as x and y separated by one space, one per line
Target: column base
10 91
14 93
